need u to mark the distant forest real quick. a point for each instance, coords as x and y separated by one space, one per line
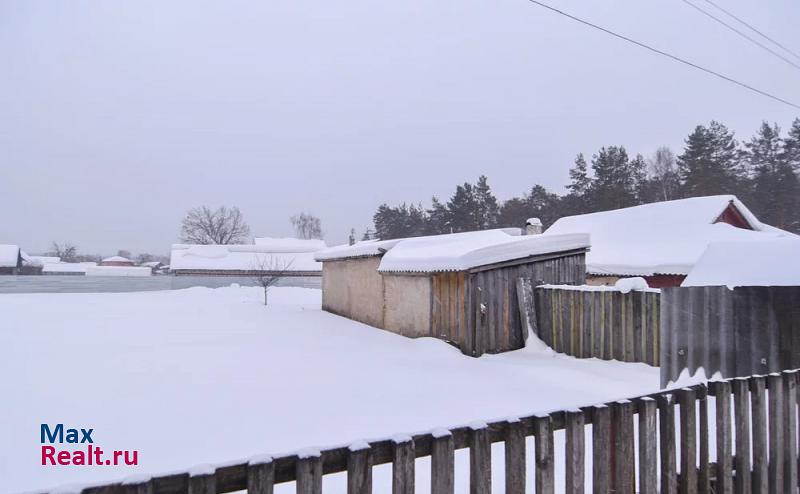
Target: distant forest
762 172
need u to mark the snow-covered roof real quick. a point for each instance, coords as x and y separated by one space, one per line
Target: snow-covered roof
365 248
758 263
290 244
40 260
455 251
239 258
461 251
116 259
660 238
9 255
66 267
151 264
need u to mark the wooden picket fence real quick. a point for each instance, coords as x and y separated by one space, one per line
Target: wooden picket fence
599 323
756 452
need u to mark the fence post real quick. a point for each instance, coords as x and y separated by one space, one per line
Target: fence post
545 474
601 443
575 452
742 483
480 459
442 462
688 477
205 483
776 437
760 456
359 469
624 467
309 473
261 477
704 477
666 424
515 457
403 465
722 398
790 430
648 464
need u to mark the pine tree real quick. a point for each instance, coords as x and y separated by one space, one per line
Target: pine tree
487 209
791 146
615 178
438 218
776 186
463 209
580 182
709 164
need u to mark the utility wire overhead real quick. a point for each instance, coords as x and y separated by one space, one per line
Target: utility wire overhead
752 28
740 33
668 55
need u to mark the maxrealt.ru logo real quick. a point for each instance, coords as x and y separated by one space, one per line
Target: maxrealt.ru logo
86 453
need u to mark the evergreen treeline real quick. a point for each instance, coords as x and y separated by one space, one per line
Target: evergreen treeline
762 172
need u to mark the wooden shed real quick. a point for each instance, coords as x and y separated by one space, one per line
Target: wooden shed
460 287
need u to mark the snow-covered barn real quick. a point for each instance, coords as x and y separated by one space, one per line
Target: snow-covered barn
460 287
287 256
10 259
662 241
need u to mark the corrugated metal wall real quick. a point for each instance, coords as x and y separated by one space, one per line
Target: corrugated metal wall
740 332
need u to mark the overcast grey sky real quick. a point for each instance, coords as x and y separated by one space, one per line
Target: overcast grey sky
117 117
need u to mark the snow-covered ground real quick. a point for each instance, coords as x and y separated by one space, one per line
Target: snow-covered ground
203 375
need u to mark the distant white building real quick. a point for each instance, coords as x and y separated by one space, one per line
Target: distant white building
288 256
66 268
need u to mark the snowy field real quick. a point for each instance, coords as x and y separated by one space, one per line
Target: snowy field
203 375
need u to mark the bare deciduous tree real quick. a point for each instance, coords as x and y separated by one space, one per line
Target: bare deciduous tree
221 226
664 171
124 253
306 226
66 251
268 270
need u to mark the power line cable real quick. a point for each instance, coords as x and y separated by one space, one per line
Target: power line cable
752 28
665 54
740 33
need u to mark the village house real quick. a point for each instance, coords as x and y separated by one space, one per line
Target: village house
662 241
66 268
460 287
117 261
267 255
10 259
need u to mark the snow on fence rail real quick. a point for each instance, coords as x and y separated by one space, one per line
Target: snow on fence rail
764 456
601 322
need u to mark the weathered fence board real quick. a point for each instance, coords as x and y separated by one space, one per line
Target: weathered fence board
599 322
773 436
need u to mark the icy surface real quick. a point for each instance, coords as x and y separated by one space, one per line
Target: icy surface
768 263
206 376
9 255
659 238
